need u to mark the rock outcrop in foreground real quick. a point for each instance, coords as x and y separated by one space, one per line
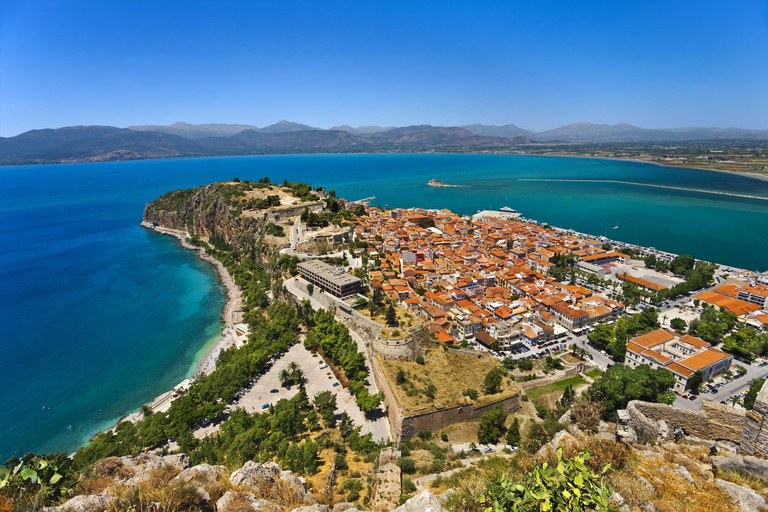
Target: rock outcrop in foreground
258 487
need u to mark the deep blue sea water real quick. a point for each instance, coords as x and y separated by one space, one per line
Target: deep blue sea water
98 315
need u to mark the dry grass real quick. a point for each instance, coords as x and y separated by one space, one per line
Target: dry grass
745 481
451 373
404 318
94 485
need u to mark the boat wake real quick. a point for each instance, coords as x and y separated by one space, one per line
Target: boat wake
703 191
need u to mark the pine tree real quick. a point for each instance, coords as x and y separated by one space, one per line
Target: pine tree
391 317
513 434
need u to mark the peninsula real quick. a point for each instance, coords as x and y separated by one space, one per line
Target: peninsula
356 328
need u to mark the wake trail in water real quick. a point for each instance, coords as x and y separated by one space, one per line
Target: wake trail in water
703 191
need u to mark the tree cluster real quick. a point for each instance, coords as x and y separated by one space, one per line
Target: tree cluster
621 384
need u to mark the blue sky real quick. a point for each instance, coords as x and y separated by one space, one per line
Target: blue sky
652 64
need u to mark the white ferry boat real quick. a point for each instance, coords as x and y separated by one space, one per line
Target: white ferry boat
507 209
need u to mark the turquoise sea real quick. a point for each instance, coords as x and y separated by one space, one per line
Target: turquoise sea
98 315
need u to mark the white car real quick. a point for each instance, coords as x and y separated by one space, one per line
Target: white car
323 365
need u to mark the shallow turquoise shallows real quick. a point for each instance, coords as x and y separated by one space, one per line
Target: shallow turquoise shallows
98 315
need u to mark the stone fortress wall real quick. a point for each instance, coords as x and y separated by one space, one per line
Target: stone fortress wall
715 421
407 348
434 420
281 213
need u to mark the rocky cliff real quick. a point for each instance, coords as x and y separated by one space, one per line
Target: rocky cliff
208 212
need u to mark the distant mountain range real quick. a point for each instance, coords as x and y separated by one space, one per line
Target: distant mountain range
104 143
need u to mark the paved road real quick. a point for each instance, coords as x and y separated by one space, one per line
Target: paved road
734 387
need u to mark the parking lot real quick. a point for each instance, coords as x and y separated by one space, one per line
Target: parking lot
317 379
638 269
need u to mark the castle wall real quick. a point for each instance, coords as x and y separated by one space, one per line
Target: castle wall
435 420
714 421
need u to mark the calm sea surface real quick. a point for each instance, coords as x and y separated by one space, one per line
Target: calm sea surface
98 315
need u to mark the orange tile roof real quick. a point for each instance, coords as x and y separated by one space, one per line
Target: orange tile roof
641 282
656 356
696 342
736 306
654 338
679 369
731 290
704 359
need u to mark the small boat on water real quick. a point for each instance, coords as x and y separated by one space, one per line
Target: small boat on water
507 209
616 226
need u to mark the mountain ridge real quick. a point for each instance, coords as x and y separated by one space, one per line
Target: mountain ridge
107 143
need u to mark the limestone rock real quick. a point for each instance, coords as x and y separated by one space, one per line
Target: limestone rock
202 474
238 501
663 430
84 503
617 500
608 436
344 507
273 468
447 495
747 499
648 485
566 418
683 473
253 474
312 508
562 438
626 434
422 502
180 461
748 465
300 486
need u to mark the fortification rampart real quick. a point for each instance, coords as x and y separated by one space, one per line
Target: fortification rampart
280 213
433 420
407 348
714 421
755 436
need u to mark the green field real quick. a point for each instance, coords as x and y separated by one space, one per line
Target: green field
594 373
560 385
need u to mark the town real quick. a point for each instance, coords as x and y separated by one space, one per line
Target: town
496 283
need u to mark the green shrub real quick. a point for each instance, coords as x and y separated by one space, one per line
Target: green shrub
568 485
407 465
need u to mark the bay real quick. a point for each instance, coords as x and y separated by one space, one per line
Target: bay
98 315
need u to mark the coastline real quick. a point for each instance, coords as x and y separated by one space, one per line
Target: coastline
234 302
207 363
762 177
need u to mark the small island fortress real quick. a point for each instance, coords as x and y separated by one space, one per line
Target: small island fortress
437 183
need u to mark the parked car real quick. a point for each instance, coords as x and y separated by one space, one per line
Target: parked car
487 449
274 390
265 406
335 384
